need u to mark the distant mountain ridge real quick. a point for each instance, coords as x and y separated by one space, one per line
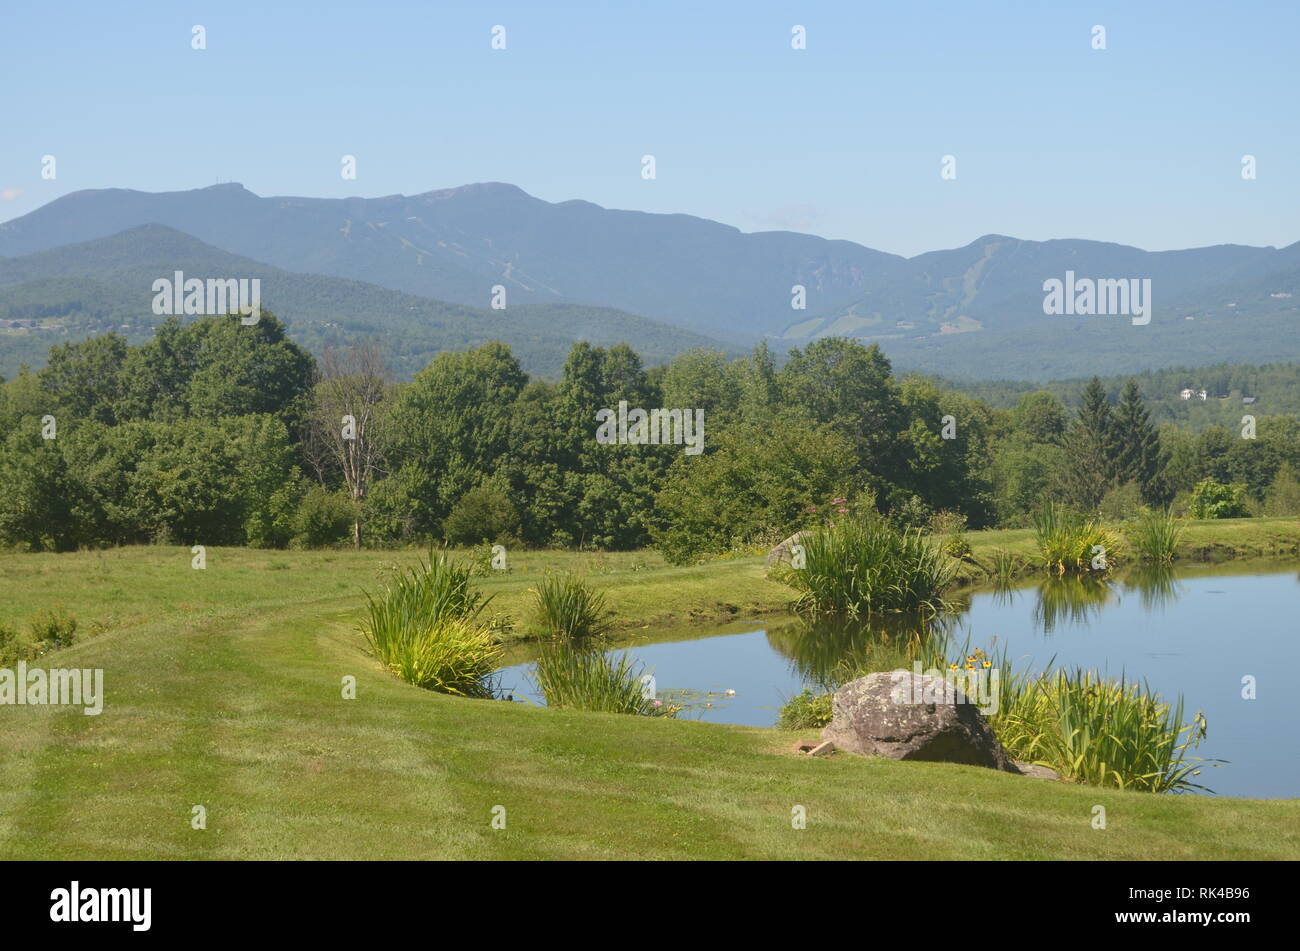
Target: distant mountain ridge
970 311
106 285
456 244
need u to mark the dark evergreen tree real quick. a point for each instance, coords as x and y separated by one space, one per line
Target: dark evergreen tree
1138 455
1088 466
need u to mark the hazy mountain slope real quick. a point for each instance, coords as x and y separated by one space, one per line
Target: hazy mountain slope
455 244
1081 346
106 284
963 311
996 283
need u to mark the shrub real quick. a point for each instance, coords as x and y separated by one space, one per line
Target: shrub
912 512
568 609
323 518
52 629
806 711
956 546
1072 541
862 565
482 514
579 678
1212 499
13 647
481 559
390 507
951 526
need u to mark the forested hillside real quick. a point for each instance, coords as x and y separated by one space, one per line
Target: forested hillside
1231 390
71 293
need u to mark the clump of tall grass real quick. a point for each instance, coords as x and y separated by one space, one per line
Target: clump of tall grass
424 627
1072 541
453 656
427 593
1003 566
1155 534
861 566
568 609
578 677
1097 731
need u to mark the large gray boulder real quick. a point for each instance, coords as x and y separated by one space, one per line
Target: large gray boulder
782 552
905 715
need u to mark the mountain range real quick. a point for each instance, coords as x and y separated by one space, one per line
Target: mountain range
106 284
421 271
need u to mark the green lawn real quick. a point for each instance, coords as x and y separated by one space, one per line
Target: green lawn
224 690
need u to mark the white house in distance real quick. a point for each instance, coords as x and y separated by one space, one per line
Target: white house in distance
1187 394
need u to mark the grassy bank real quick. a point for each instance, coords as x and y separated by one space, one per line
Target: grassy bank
122 587
1207 540
239 710
224 690
127 586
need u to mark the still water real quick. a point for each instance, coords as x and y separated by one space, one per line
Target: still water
1203 633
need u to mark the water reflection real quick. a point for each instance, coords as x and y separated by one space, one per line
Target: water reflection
830 652
1080 599
1155 586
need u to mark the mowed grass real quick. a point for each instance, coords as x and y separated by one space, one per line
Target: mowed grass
122 587
224 690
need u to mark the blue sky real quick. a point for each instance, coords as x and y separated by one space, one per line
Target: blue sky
1140 143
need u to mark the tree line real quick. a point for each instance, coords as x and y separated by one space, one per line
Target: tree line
217 433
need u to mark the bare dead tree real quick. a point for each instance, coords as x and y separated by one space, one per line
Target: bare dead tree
343 432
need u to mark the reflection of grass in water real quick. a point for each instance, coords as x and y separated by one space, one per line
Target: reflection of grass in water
1155 585
829 653
1003 566
586 678
1074 598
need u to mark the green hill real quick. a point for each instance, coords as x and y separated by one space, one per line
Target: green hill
77 291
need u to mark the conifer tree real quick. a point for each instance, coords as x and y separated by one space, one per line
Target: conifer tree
1088 468
1137 454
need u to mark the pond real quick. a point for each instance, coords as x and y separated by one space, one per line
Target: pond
1196 631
